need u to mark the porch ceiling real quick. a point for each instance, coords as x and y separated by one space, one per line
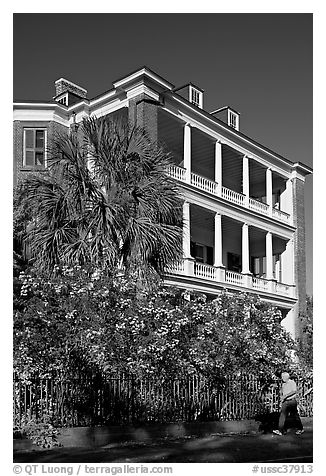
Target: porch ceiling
170 135
201 218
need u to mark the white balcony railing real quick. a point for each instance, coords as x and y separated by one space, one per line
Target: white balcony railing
178 173
285 289
259 207
285 217
233 196
260 283
203 183
211 273
202 270
234 278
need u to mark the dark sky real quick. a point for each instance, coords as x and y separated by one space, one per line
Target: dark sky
261 64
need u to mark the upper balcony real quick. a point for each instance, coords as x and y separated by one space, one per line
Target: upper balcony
210 186
214 167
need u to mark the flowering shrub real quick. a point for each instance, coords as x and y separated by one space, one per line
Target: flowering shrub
41 432
87 318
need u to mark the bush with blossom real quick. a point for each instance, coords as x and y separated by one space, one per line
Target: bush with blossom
84 318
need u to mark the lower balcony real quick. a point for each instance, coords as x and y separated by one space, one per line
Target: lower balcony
221 276
230 253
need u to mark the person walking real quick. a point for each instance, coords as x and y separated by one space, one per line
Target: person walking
289 405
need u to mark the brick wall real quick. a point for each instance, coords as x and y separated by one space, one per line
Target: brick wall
18 130
63 86
143 111
299 249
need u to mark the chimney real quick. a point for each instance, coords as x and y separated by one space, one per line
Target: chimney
63 85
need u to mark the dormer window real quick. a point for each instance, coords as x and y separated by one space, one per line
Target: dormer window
196 97
63 100
233 119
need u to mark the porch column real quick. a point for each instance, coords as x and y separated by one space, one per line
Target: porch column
269 256
287 263
186 230
245 249
218 248
218 166
188 260
245 179
288 206
269 190
187 151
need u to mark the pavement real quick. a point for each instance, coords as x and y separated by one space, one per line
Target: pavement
214 448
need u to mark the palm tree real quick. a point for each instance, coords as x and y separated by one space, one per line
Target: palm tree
106 200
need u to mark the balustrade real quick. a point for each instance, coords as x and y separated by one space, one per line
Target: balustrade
203 183
177 268
233 196
177 172
283 216
205 271
233 277
284 289
258 206
260 283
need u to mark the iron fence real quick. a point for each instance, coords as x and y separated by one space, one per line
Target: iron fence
100 399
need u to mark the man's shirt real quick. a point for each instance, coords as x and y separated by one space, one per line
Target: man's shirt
289 390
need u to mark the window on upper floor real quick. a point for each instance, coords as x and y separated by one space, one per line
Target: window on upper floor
233 120
63 100
34 148
202 253
234 262
196 97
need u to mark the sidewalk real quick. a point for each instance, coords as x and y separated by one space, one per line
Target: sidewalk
215 448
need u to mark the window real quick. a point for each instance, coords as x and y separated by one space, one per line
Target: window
63 100
233 120
202 253
196 97
234 262
34 147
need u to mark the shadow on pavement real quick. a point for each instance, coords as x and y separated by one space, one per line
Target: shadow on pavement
209 449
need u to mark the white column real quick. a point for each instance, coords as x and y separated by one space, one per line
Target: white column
218 248
186 230
269 189
245 249
218 166
188 260
287 263
269 256
278 269
288 205
187 151
245 179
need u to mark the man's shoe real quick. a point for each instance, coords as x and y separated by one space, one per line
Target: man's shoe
299 432
278 432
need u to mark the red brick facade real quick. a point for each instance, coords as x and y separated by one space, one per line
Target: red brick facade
51 127
299 247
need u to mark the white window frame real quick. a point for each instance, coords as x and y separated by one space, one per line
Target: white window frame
192 91
233 116
63 99
44 129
